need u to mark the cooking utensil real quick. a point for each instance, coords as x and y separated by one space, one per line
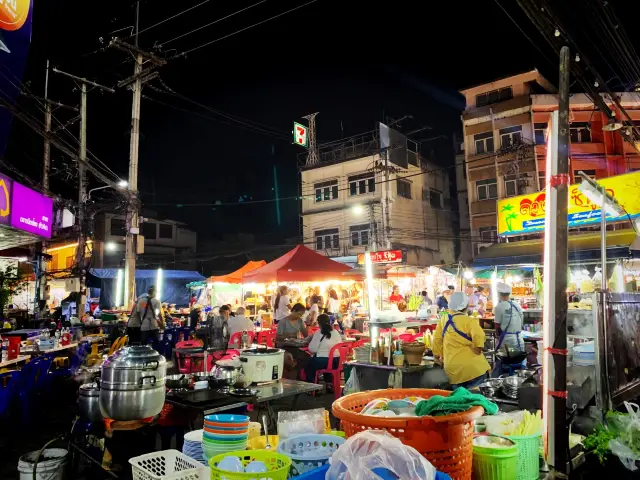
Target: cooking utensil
243 392
490 387
225 374
132 384
177 381
262 365
267 446
89 402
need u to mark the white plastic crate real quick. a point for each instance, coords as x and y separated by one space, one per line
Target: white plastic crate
167 465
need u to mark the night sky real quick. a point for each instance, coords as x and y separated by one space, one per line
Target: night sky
355 62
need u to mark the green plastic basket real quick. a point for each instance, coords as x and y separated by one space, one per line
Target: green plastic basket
277 465
528 456
495 463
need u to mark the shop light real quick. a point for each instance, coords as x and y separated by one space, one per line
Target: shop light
494 288
369 273
123 184
119 285
110 246
357 209
517 278
468 274
125 299
159 278
22 259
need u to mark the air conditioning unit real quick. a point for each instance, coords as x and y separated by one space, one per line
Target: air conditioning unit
480 247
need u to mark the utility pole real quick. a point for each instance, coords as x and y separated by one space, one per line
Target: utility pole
373 228
140 76
387 216
277 192
555 285
47 129
82 183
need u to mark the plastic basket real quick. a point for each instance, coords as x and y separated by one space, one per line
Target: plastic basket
167 465
445 441
528 456
278 465
320 473
308 452
495 463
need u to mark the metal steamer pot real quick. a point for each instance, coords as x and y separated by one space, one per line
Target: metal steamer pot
262 365
89 402
132 384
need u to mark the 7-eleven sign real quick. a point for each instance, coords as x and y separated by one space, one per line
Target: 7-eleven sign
300 134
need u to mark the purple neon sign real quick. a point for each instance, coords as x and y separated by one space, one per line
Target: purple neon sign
31 211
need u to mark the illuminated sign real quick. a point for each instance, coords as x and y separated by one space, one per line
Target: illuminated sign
31 211
386 256
526 213
300 136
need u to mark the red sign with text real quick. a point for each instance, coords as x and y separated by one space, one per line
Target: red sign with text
386 256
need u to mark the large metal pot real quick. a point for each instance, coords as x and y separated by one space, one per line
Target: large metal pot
225 374
89 402
132 384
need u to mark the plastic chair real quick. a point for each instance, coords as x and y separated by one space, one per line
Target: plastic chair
184 334
236 338
189 363
267 337
352 331
336 373
312 330
406 337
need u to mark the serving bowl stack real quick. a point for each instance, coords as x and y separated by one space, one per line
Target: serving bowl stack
510 386
192 446
224 433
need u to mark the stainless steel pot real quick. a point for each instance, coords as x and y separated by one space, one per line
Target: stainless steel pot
226 375
132 384
89 402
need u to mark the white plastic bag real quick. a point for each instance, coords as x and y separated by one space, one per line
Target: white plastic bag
300 422
353 384
371 450
627 428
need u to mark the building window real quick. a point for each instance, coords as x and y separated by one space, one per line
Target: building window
580 132
165 231
362 184
326 191
510 186
489 234
435 198
149 230
404 189
589 173
359 235
542 180
494 96
540 131
510 136
487 189
484 142
118 227
327 239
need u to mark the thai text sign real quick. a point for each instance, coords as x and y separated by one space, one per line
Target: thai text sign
525 213
386 256
28 210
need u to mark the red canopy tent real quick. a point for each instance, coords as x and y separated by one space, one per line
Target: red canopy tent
298 265
236 277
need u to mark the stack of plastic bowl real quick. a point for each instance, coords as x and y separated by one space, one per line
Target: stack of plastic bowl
224 433
192 446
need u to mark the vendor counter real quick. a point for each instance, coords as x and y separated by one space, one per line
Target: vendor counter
375 377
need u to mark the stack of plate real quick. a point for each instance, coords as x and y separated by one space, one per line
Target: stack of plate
510 386
584 355
362 354
193 446
224 433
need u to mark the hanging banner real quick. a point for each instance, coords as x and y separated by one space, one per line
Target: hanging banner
15 38
526 213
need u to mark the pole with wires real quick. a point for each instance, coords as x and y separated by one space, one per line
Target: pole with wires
46 165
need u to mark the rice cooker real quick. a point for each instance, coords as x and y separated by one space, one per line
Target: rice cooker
262 365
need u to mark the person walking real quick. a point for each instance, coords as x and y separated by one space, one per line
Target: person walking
148 311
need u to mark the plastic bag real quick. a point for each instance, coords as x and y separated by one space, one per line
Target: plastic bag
626 445
352 385
300 422
365 455
503 424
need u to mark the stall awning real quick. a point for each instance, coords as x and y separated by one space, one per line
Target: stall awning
236 277
583 247
299 265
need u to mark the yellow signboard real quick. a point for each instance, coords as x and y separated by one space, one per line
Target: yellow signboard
525 213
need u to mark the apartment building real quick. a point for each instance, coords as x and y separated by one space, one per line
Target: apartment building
375 192
505 125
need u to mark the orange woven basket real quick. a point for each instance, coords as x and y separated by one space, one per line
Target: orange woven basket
445 441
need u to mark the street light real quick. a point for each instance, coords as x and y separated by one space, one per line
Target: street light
598 195
357 209
120 184
111 246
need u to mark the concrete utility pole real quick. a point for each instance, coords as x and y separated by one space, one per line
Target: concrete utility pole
46 166
555 285
140 76
82 182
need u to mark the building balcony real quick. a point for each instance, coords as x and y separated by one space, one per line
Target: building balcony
496 108
483 207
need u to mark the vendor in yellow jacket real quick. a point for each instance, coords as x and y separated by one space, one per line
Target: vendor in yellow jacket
458 341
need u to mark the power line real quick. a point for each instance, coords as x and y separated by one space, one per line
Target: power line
167 19
243 29
211 23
